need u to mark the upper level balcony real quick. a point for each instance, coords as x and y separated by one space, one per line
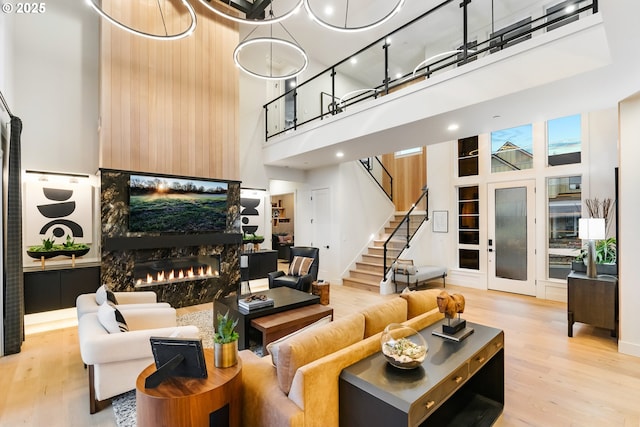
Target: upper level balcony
455 63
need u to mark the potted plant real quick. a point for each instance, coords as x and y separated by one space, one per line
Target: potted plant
49 249
254 239
606 257
225 341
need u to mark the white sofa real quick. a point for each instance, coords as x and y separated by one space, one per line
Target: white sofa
116 359
86 303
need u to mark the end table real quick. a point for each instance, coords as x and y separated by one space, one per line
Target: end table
192 402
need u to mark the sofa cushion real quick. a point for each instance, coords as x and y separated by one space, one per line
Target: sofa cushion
111 318
103 294
300 266
420 301
378 316
274 346
314 344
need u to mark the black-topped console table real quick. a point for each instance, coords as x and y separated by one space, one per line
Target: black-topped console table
458 384
593 301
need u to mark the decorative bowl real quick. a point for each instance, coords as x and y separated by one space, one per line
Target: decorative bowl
403 347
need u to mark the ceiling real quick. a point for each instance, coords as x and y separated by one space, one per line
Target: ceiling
597 85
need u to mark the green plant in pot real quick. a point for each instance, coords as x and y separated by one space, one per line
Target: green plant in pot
225 341
606 255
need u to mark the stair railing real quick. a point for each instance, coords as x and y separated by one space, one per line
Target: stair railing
403 232
380 174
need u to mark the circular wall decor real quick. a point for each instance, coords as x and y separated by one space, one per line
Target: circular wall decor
268 44
270 18
185 33
315 15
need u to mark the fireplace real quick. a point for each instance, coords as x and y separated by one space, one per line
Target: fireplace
183 269
174 270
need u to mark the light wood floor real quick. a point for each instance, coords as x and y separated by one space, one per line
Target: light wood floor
550 379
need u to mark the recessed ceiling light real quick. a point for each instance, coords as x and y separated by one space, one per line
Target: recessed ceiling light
570 8
328 10
339 154
388 40
354 60
398 75
453 126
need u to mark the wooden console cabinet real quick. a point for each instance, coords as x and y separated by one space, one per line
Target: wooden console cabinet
458 384
55 289
593 301
261 263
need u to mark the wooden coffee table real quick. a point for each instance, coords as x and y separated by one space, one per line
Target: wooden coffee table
283 299
191 402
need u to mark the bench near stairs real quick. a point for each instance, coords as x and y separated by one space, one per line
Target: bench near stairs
423 273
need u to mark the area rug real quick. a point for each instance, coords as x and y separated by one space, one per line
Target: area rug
124 405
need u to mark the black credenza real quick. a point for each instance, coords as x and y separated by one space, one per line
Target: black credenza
262 263
58 288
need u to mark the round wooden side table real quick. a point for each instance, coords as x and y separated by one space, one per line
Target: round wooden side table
192 402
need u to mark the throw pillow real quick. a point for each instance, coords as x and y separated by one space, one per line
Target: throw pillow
300 266
274 346
103 294
111 318
404 266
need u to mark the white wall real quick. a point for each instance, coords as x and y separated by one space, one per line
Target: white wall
628 248
359 210
55 87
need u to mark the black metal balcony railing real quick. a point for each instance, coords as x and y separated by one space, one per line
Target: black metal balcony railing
448 36
380 174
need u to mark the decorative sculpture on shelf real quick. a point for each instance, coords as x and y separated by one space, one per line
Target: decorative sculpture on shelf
451 306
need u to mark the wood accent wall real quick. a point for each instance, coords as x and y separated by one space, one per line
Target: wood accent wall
169 106
409 177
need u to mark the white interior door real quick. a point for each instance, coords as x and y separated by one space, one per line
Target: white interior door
321 226
511 236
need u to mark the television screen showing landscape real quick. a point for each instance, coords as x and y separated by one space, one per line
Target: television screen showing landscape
166 204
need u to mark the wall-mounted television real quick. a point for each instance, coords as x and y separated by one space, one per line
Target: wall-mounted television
176 205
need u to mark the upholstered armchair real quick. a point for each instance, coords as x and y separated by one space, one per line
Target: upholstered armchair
89 303
114 359
303 269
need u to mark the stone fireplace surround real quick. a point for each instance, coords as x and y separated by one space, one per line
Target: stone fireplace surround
122 250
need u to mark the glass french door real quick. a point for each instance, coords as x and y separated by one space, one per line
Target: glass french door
511 235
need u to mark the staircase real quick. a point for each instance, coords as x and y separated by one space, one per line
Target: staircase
369 270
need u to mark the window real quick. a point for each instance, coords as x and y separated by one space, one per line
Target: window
512 149
408 152
564 198
564 140
468 227
468 156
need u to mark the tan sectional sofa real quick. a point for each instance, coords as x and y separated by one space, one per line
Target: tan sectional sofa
302 389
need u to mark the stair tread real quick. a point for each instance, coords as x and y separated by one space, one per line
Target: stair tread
361 281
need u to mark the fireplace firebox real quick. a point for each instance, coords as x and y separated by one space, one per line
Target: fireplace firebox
174 270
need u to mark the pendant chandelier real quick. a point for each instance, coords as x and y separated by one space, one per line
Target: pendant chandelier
165 36
346 26
271 18
275 58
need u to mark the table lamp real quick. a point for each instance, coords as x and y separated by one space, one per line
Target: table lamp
591 229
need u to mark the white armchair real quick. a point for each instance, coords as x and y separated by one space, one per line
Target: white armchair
116 359
86 303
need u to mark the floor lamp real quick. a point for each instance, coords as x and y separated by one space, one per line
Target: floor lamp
591 229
